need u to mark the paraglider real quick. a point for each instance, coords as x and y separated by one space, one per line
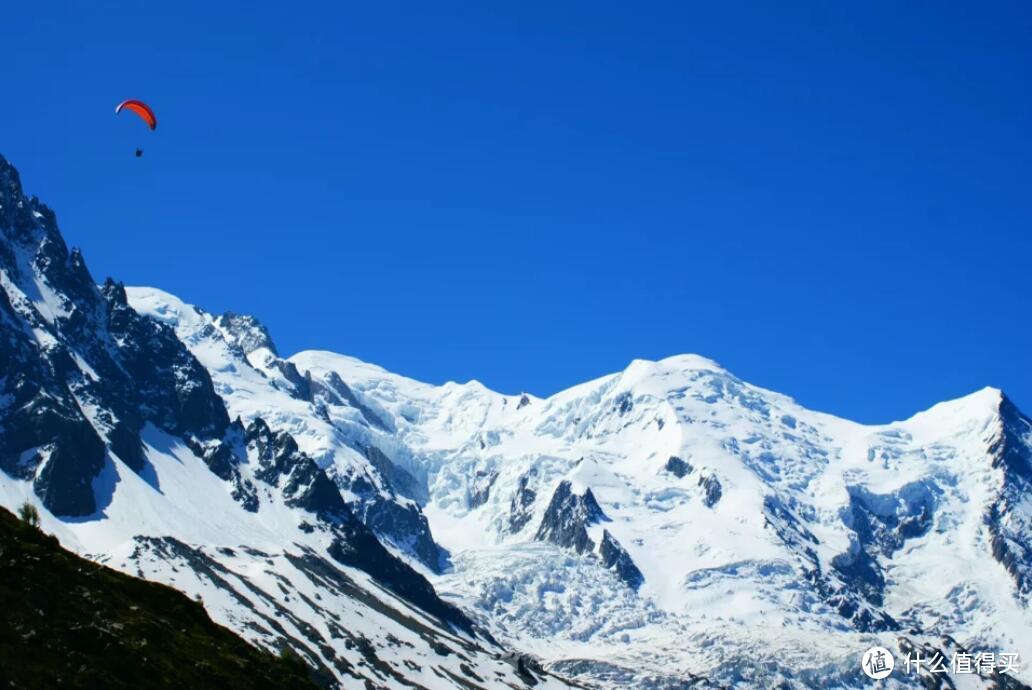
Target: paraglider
141 109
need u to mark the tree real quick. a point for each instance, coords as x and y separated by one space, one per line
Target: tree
28 514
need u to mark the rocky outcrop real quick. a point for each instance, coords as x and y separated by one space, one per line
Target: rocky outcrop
480 487
712 491
1009 517
391 510
834 586
567 518
245 332
678 467
566 522
615 558
521 508
87 372
169 384
303 484
881 523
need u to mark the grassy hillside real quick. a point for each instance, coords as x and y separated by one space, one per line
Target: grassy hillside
66 622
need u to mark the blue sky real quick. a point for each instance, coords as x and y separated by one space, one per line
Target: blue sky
831 199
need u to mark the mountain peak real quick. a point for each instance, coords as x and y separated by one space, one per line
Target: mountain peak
984 404
690 361
246 332
10 180
640 370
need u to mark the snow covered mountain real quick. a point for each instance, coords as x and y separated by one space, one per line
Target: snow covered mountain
673 521
668 526
115 430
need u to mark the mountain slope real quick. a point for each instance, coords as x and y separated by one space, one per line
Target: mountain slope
71 623
353 445
672 523
765 535
115 429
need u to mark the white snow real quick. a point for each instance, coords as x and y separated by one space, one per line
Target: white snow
720 586
716 577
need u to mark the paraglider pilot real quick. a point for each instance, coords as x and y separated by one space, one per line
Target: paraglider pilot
141 109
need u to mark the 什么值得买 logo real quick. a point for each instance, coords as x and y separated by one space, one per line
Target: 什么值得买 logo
877 663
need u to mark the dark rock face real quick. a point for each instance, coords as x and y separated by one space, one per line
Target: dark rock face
299 385
567 518
521 509
73 350
566 523
44 435
614 557
678 467
222 458
281 464
524 401
1009 518
392 512
64 480
881 523
852 604
861 572
623 403
246 332
356 546
404 526
713 491
304 485
171 385
480 488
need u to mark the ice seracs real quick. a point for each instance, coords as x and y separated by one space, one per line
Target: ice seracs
762 531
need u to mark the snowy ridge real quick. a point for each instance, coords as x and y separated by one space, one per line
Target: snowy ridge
328 421
765 533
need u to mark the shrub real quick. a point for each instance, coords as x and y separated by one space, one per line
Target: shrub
28 514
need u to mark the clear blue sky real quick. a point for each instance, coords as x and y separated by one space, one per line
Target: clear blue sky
834 200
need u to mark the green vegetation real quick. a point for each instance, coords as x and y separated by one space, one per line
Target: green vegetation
28 514
70 623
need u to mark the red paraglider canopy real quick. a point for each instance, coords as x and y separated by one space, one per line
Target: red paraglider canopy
141 109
